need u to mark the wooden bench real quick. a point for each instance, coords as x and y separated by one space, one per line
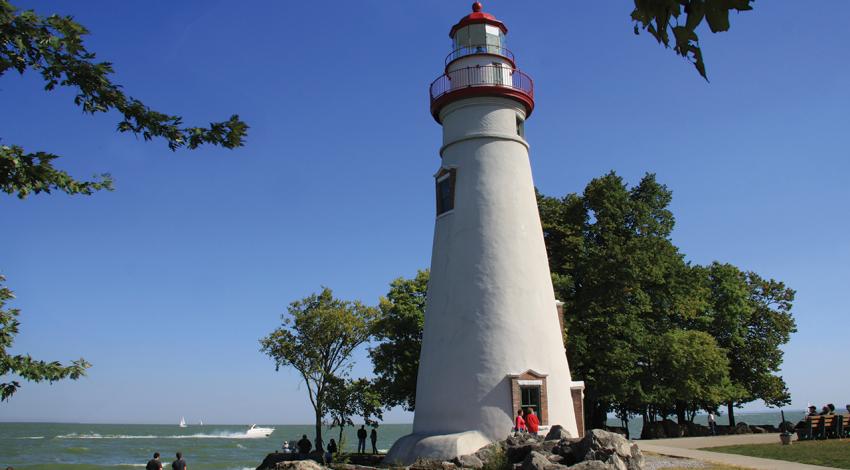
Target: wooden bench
843 426
823 427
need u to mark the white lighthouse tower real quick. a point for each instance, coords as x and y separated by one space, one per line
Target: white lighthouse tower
492 340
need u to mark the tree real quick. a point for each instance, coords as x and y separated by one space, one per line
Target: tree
317 339
53 46
661 17
24 366
398 332
622 281
352 398
751 318
690 371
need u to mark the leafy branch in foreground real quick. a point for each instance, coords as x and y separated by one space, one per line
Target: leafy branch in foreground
24 366
53 46
660 17
26 173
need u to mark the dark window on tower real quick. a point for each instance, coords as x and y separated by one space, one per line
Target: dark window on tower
446 190
520 126
530 398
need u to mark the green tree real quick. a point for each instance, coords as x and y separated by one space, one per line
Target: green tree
622 281
24 366
690 370
751 318
398 333
660 18
53 47
348 399
317 339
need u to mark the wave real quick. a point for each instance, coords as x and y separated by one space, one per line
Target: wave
216 435
30 437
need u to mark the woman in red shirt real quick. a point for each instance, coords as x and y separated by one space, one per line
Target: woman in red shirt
532 421
520 423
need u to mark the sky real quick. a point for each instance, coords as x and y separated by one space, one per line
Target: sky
167 283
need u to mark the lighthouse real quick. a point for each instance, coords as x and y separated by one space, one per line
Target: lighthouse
492 341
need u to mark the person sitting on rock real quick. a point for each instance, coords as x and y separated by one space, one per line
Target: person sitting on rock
519 426
304 447
531 421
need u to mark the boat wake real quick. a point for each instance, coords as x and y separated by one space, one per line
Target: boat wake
213 435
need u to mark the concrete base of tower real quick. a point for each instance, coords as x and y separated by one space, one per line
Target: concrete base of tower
406 450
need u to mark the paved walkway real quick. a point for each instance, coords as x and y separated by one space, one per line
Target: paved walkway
686 447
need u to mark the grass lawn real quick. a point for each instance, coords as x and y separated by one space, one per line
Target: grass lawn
831 453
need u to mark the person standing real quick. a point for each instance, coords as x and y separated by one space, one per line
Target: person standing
361 439
519 422
154 463
374 438
179 464
712 423
531 421
304 446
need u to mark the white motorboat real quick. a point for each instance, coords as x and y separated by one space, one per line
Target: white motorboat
255 431
182 422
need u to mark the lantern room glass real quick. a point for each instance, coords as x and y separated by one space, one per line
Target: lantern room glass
480 37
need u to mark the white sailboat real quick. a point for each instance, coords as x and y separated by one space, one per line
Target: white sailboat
182 422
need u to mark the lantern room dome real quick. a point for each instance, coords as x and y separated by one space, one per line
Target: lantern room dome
478 17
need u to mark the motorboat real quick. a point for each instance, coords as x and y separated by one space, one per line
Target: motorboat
256 431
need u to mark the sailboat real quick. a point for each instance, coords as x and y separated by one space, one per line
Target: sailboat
182 422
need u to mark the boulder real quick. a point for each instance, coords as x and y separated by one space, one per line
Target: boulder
653 431
468 461
535 461
672 428
275 457
609 448
519 446
757 430
298 465
556 433
592 465
618 430
741 428
786 426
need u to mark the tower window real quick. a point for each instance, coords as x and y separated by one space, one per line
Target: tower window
520 126
446 190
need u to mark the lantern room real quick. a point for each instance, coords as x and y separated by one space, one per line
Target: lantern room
480 65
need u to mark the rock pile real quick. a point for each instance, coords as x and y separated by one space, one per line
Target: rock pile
598 450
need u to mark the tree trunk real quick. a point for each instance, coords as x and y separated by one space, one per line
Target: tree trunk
680 413
319 443
730 406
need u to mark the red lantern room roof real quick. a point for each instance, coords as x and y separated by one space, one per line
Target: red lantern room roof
478 16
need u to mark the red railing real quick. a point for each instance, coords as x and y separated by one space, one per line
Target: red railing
482 76
481 49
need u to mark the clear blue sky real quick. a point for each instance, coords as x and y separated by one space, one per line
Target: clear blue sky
167 283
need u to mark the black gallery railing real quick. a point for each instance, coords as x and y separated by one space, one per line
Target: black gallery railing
480 49
481 76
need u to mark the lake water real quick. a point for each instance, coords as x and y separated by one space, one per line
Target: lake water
43 446
37 446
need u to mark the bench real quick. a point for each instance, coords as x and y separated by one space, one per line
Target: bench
823 427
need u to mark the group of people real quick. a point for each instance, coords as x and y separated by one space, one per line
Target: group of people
526 421
361 440
826 410
304 446
156 464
